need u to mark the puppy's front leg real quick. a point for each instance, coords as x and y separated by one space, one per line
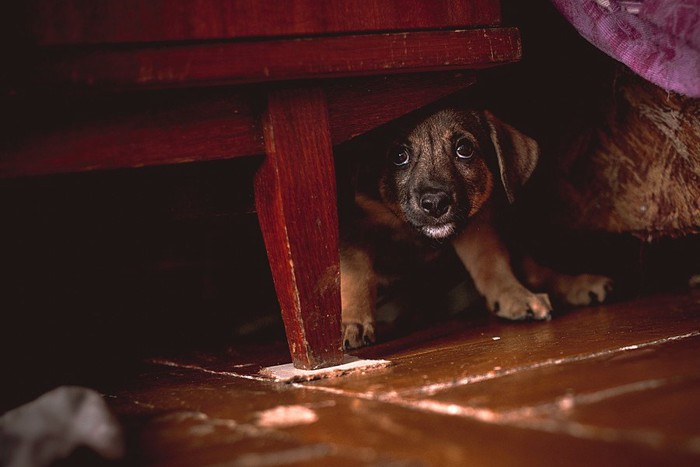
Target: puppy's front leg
358 291
488 262
582 289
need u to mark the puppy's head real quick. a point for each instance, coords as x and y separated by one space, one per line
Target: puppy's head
444 170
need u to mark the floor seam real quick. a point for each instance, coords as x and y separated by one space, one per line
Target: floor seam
516 419
435 388
532 418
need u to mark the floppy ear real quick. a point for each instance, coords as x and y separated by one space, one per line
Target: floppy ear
517 154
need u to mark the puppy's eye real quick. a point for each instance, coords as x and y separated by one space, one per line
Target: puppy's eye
401 157
464 149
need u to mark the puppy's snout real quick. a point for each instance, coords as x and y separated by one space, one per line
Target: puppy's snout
435 203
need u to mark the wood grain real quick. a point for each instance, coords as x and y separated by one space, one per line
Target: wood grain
358 105
587 388
135 130
295 198
474 353
62 22
274 60
131 131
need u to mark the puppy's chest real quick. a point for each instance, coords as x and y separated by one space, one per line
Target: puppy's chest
396 249
399 254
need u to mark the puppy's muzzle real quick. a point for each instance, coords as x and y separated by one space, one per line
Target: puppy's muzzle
435 203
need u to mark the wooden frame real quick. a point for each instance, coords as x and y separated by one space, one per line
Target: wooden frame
316 83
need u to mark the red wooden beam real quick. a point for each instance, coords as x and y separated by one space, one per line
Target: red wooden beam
198 128
77 22
362 104
295 197
275 60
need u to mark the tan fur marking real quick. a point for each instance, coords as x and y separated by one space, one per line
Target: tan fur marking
479 199
358 290
488 262
378 212
582 289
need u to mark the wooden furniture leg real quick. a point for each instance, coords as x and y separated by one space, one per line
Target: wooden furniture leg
295 197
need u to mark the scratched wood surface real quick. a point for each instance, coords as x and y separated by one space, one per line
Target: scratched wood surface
610 385
295 197
74 134
68 22
237 62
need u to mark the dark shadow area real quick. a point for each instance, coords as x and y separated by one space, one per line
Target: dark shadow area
102 269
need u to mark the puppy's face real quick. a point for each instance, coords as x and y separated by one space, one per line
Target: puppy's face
438 176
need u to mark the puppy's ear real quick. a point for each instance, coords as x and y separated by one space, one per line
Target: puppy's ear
517 154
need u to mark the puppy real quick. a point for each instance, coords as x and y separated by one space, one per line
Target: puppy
442 185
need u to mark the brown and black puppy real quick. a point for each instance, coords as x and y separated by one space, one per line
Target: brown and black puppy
440 186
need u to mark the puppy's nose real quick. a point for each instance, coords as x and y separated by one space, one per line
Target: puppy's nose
435 203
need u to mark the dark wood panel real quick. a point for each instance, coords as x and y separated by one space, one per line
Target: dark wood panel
274 60
135 133
295 197
359 105
139 130
120 21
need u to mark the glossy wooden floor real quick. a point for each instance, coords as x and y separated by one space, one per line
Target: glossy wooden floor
611 385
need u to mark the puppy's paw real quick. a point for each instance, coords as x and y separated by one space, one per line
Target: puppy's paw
518 303
357 335
584 289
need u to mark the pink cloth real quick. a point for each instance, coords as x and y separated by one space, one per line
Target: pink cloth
657 39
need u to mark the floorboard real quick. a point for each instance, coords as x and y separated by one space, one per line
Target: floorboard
616 384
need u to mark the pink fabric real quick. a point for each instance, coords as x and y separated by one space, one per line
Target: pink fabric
657 39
